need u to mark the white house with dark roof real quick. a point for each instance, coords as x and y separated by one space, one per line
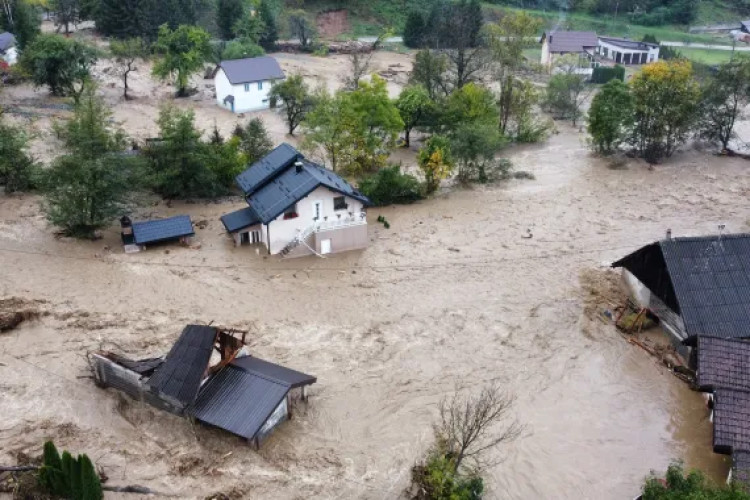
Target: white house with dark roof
559 43
625 51
8 51
297 207
244 84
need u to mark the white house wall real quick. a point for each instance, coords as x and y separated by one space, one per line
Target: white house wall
10 56
652 52
253 98
283 231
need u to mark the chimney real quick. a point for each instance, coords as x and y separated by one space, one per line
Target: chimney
550 39
298 166
669 234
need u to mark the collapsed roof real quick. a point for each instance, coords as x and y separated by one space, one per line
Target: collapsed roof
704 279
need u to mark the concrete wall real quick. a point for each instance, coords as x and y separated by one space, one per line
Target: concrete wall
283 231
247 97
652 54
343 239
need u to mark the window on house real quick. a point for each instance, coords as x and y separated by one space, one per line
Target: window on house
247 87
339 203
291 212
260 85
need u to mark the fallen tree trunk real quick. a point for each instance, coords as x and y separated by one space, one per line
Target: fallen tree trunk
135 488
17 468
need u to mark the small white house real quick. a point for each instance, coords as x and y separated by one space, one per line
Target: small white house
296 208
8 51
627 52
556 44
244 84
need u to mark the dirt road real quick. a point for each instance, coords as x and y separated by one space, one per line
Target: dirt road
451 295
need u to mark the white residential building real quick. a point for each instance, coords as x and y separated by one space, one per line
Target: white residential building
627 52
244 84
296 207
8 51
556 44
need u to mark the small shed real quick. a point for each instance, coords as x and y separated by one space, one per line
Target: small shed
177 228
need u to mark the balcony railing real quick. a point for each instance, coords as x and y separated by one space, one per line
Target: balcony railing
351 219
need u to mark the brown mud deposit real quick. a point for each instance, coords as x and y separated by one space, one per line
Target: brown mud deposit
452 294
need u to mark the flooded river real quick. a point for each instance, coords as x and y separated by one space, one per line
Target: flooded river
452 295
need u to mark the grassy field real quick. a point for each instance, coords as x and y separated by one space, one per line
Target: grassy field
706 56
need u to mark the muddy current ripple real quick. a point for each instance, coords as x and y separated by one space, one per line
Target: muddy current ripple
452 295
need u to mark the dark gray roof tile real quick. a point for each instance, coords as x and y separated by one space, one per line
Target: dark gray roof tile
156 231
723 363
252 69
731 421
272 371
571 41
239 219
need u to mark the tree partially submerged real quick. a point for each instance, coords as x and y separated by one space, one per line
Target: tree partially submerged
302 28
183 52
18 170
62 64
723 100
294 95
127 53
415 106
610 117
88 186
254 140
680 486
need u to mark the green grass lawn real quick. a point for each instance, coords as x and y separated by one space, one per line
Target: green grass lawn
533 54
706 56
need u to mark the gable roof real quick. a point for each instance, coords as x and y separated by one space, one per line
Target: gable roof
239 219
292 185
272 371
179 377
723 363
704 279
626 43
266 168
731 421
745 26
7 40
243 395
274 183
157 231
252 69
570 41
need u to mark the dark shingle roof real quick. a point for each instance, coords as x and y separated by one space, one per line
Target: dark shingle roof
705 279
571 41
156 231
180 376
291 185
266 168
741 466
628 44
272 371
731 421
723 363
240 219
252 69
238 401
7 40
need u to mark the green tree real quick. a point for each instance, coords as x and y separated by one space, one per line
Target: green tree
564 95
254 140
525 126
270 34
330 126
62 64
429 70
87 186
665 100
91 487
249 26
241 48
610 116
414 106
507 38
18 170
20 18
183 51
435 162
693 486
723 100
180 165
295 98
389 185
127 53
66 12
302 28
227 14
414 29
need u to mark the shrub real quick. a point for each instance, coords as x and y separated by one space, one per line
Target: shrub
389 185
18 170
603 74
68 477
438 480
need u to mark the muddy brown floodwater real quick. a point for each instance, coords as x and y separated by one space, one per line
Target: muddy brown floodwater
451 295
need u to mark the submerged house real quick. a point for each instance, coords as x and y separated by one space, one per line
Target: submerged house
207 375
8 51
297 207
696 286
723 372
142 234
244 84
